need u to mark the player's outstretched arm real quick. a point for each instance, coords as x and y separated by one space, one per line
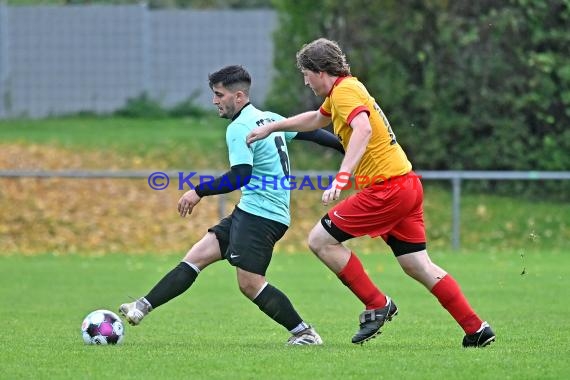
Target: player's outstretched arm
303 122
361 132
238 176
321 137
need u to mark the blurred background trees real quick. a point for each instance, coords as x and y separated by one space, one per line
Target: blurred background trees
486 82
467 85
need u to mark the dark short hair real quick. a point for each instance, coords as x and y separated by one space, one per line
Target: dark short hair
233 77
323 55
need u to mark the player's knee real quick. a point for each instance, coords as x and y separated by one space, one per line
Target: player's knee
315 243
413 269
249 283
247 288
417 269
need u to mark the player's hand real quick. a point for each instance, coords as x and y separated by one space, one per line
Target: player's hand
187 202
258 134
333 193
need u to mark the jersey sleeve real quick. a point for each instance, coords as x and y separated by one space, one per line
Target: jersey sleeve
349 101
290 135
326 109
239 152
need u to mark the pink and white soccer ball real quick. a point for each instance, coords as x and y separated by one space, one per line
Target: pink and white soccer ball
102 327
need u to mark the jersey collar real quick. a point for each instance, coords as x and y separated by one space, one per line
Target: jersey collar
237 114
336 83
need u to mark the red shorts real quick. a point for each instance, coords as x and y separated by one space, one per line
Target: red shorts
390 208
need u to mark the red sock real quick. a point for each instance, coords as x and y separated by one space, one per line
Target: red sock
356 279
451 297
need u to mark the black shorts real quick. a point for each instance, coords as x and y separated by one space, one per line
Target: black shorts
247 240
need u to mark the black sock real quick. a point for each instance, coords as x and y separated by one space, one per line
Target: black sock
176 282
278 307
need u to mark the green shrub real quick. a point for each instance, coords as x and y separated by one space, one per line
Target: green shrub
466 85
144 106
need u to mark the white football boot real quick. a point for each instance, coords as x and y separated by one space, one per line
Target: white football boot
306 337
134 312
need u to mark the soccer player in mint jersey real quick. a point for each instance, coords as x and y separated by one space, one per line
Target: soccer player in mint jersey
390 204
246 237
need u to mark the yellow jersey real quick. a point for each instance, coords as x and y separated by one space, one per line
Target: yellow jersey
384 157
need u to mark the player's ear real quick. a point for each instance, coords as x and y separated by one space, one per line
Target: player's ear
241 97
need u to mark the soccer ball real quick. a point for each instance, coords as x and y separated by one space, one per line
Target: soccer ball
102 327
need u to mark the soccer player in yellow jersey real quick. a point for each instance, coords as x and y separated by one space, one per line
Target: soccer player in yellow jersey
389 203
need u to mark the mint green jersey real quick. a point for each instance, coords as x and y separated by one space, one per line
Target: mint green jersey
267 194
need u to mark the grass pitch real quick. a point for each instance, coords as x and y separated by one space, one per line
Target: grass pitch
213 332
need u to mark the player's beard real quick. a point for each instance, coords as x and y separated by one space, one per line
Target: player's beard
228 111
